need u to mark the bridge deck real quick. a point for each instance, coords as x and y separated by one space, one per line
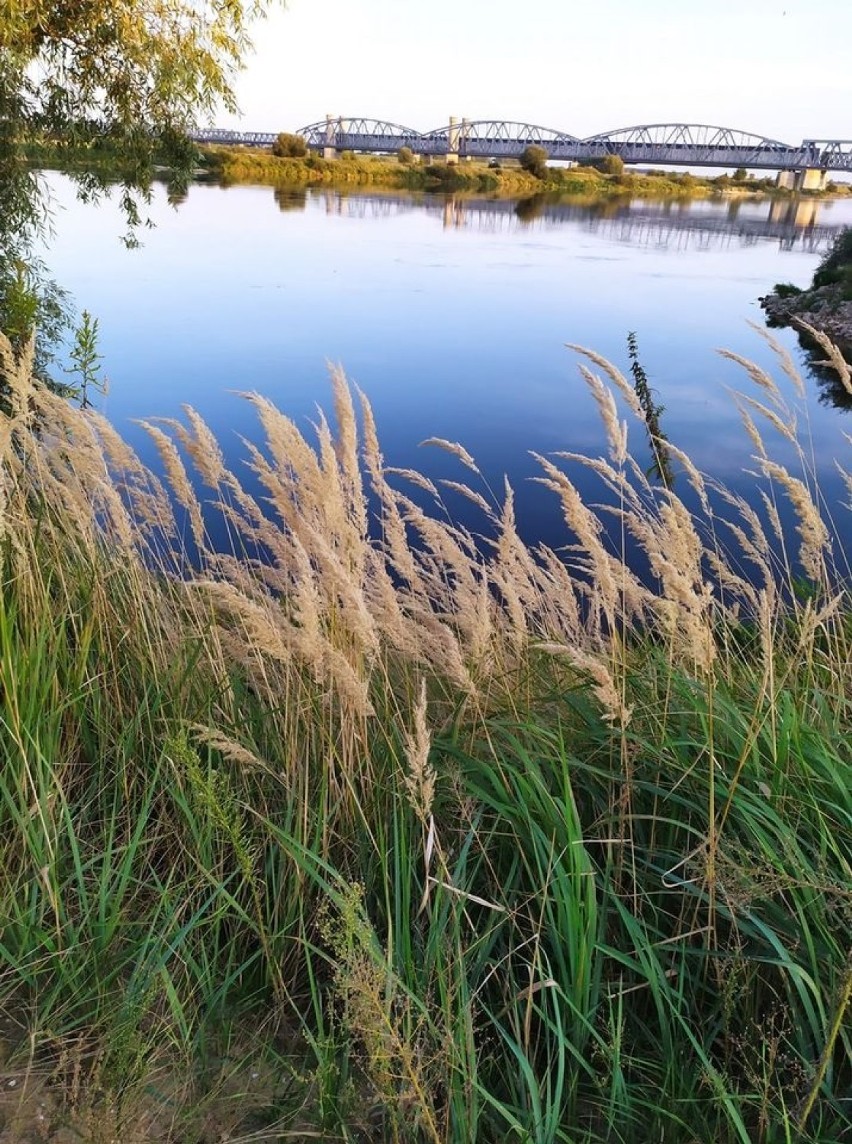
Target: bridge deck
687 145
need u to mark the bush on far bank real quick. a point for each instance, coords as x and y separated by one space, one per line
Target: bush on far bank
288 146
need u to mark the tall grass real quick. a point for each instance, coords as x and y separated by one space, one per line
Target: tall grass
366 827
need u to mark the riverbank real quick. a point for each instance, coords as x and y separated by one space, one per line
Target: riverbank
231 165
826 305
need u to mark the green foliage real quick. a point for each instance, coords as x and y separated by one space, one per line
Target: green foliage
85 359
32 305
406 156
288 146
611 165
740 175
661 465
786 289
131 74
534 160
835 261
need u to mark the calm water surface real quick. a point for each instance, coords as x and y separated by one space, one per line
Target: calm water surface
452 316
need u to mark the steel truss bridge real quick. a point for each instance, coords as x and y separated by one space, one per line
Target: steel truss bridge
668 144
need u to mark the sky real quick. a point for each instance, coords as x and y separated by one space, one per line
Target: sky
778 68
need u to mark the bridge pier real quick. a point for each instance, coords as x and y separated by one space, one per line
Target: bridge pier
807 179
453 137
812 179
329 151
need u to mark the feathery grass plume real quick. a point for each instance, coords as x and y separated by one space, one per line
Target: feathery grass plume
784 358
415 478
615 480
758 375
470 494
847 480
753 543
834 358
766 621
513 573
227 747
603 684
751 429
344 529
784 426
603 568
815 538
257 621
394 536
772 514
73 467
615 375
560 592
347 448
455 449
420 778
616 431
201 446
16 371
178 481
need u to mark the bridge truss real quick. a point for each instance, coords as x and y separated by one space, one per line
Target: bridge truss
676 144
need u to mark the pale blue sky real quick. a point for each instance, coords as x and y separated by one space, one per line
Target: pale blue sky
777 67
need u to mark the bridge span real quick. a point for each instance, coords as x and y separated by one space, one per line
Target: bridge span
658 144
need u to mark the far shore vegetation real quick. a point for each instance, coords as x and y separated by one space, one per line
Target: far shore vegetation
289 163
532 174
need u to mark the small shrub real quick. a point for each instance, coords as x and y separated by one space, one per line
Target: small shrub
785 290
611 165
846 283
835 260
288 146
534 160
405 156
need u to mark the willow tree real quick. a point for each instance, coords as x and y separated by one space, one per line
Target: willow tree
129 77
134 75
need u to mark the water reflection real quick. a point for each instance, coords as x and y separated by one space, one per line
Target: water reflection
291 198
803 224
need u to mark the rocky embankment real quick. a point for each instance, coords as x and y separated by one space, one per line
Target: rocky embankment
826 305
823 308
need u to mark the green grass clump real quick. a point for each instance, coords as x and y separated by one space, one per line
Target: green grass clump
387 837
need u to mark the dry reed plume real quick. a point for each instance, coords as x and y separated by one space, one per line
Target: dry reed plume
312 588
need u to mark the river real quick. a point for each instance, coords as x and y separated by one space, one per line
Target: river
451 315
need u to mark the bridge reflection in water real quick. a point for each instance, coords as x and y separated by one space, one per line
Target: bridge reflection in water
794 224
